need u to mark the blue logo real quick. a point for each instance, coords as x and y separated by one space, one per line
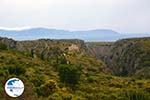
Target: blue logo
14 87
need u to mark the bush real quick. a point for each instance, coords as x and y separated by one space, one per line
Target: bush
91 79
61 60
16 70
78 98
66 96
37 80
69 75
3 46
47 89
135 95
55 96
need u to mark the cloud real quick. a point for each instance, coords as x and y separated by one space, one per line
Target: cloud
120 15
15 28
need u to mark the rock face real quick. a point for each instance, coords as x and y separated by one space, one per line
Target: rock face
100 50
124 57
130 56
73 47
41 42
10 43
45 48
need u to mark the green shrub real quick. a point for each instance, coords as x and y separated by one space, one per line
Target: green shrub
61 60
3 46
55 96
91 79
16 69
47 89
37 80
135 95
69 74
2 73
78 98
66 96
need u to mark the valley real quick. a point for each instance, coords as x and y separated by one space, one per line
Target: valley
71 69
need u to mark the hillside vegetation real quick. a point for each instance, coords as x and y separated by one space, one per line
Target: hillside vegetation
64 70
127 57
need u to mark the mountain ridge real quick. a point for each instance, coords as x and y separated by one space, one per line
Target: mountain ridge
87 35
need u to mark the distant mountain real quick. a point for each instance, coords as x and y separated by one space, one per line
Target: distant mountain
89 35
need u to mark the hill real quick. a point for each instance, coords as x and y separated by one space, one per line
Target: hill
125 57
64 70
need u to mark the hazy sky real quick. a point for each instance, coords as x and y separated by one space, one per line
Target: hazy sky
119 15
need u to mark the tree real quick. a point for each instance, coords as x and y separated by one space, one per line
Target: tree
3 46
69 75
16 69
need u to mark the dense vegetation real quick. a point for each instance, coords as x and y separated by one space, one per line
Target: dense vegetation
63 74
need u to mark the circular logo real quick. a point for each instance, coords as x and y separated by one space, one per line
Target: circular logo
14 87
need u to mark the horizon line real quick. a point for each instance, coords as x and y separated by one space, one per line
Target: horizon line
22 28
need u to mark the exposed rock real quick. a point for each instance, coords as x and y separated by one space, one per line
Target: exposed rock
124 57
73 47
100 50
10 43
44 48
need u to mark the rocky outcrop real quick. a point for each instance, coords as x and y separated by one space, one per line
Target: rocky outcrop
10 43
130 55
124 57
73 47
44 48
100 50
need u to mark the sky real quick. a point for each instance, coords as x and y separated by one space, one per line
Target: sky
125 16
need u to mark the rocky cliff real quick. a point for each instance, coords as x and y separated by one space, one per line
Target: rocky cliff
101 50
125 57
